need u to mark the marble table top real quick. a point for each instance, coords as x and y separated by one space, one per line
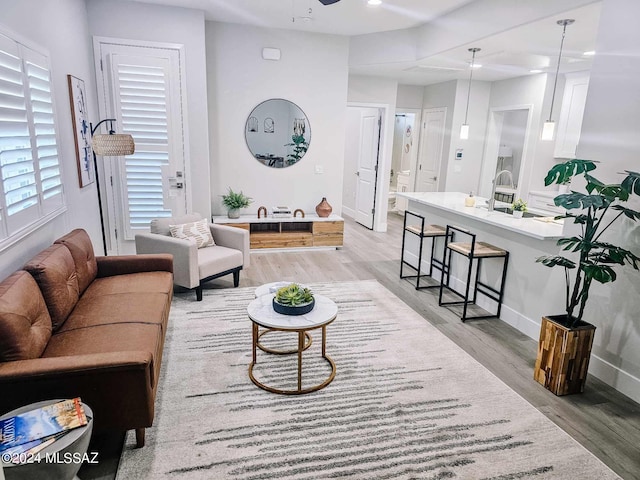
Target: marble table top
261 312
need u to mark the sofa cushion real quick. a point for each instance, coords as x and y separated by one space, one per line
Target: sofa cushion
126 337
214 260
25 324
134 283
118 308
55 273
197 232
81 249
161 225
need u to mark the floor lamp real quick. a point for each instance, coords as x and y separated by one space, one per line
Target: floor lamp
108 145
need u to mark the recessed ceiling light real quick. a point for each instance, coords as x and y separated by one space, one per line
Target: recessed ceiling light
476 65
374 3
590 53
535 71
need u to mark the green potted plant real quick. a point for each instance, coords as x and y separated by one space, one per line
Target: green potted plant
565 340
234 201
519 207
293 299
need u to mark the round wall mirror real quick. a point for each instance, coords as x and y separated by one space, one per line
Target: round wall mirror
277 133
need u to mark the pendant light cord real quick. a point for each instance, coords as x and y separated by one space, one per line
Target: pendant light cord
564 24
473 58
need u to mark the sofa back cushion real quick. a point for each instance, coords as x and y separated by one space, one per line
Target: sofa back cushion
161 225
54 271
25 324
81 249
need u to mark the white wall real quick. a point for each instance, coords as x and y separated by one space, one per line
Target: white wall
312 73
610 135
463 175
61 28
381 92
409 96
155 23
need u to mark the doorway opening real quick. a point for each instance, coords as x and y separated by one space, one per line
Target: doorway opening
403 158
506 152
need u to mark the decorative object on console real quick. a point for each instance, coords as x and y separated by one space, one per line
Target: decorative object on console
298 210
560 366
262 210
252 124
281 212
293 299
234 201
323 209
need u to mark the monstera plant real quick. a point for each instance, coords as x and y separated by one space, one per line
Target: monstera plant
565 341
598 209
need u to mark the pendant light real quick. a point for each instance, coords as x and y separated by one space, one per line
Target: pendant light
548 129
464 129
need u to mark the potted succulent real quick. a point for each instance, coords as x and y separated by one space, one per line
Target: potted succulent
565 340
234 201
293 299
519 207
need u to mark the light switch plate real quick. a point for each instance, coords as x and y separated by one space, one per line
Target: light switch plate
457 168
319 169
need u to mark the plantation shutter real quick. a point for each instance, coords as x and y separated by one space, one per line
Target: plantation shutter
143 104
29 168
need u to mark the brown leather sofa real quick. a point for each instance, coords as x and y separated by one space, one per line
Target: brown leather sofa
76 325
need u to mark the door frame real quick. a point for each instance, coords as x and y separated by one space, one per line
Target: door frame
492 144
421 149
107 167
413 167
385 147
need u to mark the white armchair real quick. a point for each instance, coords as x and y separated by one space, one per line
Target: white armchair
194 266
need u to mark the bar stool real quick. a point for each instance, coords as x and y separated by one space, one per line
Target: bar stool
472 251
422 231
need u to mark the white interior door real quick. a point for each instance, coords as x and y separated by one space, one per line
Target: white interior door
369 143
431 143
142 89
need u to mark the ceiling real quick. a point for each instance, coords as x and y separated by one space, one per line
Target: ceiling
511 53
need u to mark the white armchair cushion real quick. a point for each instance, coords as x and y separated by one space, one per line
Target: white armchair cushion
197 232
214 260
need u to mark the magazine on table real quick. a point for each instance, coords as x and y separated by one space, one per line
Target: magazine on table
41 423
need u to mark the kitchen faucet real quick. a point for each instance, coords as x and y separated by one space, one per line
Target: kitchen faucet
492 199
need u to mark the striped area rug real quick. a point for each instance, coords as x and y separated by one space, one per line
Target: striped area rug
406 403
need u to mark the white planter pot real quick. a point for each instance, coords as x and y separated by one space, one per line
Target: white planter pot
563 189
517 213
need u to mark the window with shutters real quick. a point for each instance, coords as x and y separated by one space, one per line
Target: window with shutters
31 190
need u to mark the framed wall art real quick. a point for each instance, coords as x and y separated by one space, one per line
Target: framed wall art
81 130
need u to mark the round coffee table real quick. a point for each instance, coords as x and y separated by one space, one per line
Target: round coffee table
262 314
54 464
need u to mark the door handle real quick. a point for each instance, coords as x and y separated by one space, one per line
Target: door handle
434 178
358 173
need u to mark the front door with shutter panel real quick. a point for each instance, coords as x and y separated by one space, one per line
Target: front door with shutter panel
142 90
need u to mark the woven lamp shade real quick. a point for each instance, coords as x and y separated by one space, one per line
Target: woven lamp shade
113 145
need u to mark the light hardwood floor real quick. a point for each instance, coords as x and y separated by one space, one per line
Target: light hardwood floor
606 422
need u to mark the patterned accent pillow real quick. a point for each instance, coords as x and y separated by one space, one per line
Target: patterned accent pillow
197 232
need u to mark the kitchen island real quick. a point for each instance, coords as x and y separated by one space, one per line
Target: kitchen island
532 290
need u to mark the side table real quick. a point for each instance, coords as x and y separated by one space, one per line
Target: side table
73 445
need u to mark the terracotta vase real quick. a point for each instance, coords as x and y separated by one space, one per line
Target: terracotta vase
323 209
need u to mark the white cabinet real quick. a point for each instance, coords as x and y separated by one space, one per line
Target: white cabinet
571 113
402 184
544 201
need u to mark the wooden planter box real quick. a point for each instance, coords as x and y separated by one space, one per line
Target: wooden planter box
563 356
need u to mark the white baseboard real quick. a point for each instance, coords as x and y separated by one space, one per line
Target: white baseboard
617 378
348 212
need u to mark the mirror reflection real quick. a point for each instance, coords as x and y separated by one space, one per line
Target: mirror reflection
277 133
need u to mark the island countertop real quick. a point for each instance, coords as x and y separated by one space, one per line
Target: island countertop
542 228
